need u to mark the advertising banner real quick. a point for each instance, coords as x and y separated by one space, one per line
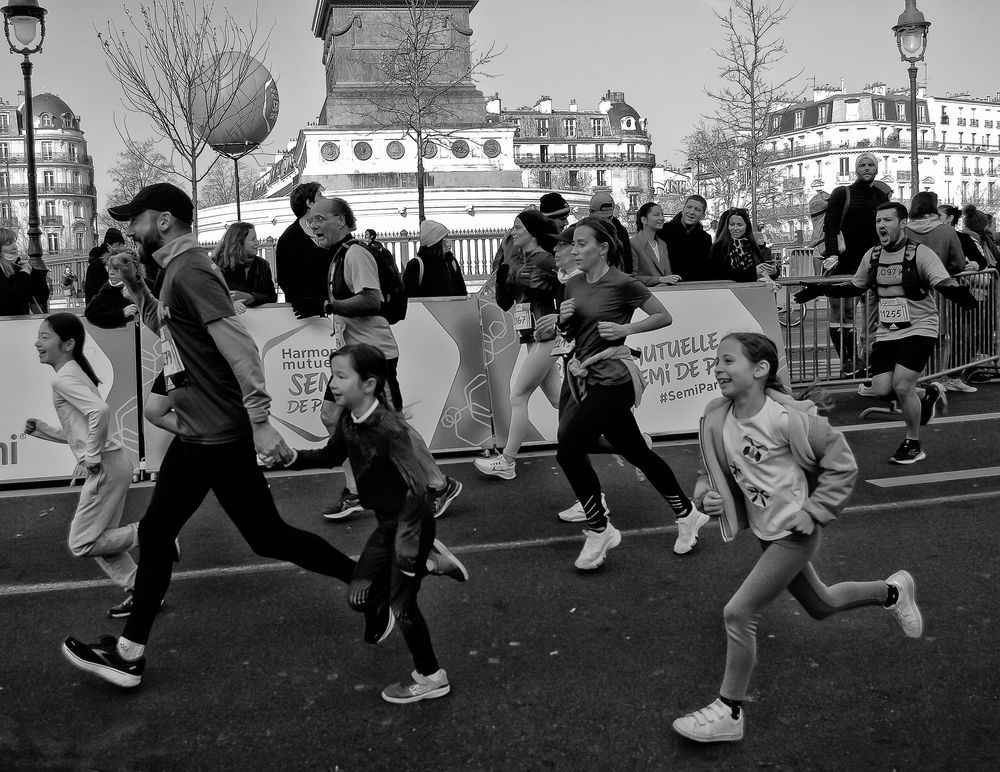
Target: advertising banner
26 386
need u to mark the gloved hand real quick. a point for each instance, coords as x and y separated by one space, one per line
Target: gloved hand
807 293
797 522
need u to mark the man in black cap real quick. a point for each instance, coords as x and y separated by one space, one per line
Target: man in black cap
215 383
97 274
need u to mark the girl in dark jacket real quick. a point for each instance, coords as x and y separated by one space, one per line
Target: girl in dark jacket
22 287
735 254
247 275
434 272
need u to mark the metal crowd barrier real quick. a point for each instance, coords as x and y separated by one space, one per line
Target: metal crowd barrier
966 339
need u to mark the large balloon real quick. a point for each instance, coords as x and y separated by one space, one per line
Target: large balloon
247 96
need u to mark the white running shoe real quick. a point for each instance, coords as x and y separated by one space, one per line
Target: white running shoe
497 466
712 724
687 530
575 513
595 549
905 608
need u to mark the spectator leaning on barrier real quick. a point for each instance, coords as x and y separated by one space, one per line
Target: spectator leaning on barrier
650 256
927 227
902 273
687 242
113 306
23 289
735 253
247 275
602 205
302 266
434 272
97 272
977 225
951 215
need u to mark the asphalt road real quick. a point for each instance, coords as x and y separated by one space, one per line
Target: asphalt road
255 665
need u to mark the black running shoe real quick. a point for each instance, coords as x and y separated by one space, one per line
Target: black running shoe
933 394
438 500
379 625
349 504
123 609
102 659
908 453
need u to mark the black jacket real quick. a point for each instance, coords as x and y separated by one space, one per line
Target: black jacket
17 292
858 225
303 269
96 275
106 308
254 279
689 250
442 277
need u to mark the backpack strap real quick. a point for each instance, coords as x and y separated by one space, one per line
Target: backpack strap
420 275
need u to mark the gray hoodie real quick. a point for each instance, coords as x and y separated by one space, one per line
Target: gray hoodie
938 236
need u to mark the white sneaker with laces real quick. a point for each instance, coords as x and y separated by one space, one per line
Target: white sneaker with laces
420 687
712 724
687 530
497 466
905 608
595 549
575 513
956 384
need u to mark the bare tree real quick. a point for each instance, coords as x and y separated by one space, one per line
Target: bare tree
717 161
752 50
562 179
219 185
420 66
173 62
138 165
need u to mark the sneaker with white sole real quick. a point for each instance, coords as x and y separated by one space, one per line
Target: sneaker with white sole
712 724
497 466
905 608
442 562
933 396
908 452
438 500
349 504
687 530
575 513
103 660
419 687
957 384
595 549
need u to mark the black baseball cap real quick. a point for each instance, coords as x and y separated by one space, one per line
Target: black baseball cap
160 197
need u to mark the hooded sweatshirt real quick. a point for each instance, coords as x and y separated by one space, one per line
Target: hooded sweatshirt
935 234
688 249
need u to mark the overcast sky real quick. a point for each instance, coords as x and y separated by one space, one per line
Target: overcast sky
659 52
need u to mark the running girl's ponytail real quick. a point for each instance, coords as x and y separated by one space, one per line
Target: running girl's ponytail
368 362
69 327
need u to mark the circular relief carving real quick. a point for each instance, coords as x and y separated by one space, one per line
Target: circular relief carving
363 151
492 148
430 150
395 150
460 148
330 151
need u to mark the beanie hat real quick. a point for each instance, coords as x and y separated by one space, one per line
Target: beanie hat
975 220
431 232
866 157
553 205
113 236
537 224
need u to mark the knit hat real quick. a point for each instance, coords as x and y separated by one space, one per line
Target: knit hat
431 233
113 236
975 220
553 205
537 224
866 157
602 202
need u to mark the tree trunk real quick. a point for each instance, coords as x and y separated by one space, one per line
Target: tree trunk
194 194
420 175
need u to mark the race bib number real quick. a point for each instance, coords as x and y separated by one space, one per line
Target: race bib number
522 317
563 346
893 311
174 372
338 334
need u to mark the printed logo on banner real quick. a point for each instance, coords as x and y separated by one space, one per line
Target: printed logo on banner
8 450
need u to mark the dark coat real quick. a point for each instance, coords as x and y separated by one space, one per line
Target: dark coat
254 278
858 224
97 274
688 250
442 277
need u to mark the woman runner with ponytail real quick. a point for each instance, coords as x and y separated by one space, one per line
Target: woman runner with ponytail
84 419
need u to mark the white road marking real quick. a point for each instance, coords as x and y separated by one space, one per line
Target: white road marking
935 477
11 590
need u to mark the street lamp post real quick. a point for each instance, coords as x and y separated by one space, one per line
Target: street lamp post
911 39
27 18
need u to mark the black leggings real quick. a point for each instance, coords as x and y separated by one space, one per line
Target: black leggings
607 410
230 470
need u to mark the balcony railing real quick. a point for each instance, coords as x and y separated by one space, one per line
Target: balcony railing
53 189
974 122
966 172
992 172
49 158
960 121
10 222
793 183
799 151
583 159
51 221
902 176
949 170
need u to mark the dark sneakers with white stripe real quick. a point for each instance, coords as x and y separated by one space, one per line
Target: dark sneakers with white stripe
102 659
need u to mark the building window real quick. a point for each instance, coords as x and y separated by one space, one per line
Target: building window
775 122
599 152
633 201
845 167
46 151
544 178
630 152
601 178
944 135
947 165
543 153
5 210
798 119
574 178
824 113
571 152
4 122
48 179
4 180
76 179
50 208
4 150
543 127
53 239
78 210
922 113
72 152
879 110
900 111
569 127
45 120
597 124
78 241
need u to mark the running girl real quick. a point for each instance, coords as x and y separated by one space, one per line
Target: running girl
537 283
605 384
391 481
84 418
771 464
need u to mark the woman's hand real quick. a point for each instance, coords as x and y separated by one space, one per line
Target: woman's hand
712 504
566 310
243 297
31 426
95 469
130 310
612 331
545 328
670 279
240 307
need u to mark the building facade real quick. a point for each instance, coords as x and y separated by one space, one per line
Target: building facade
607 148
67 198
